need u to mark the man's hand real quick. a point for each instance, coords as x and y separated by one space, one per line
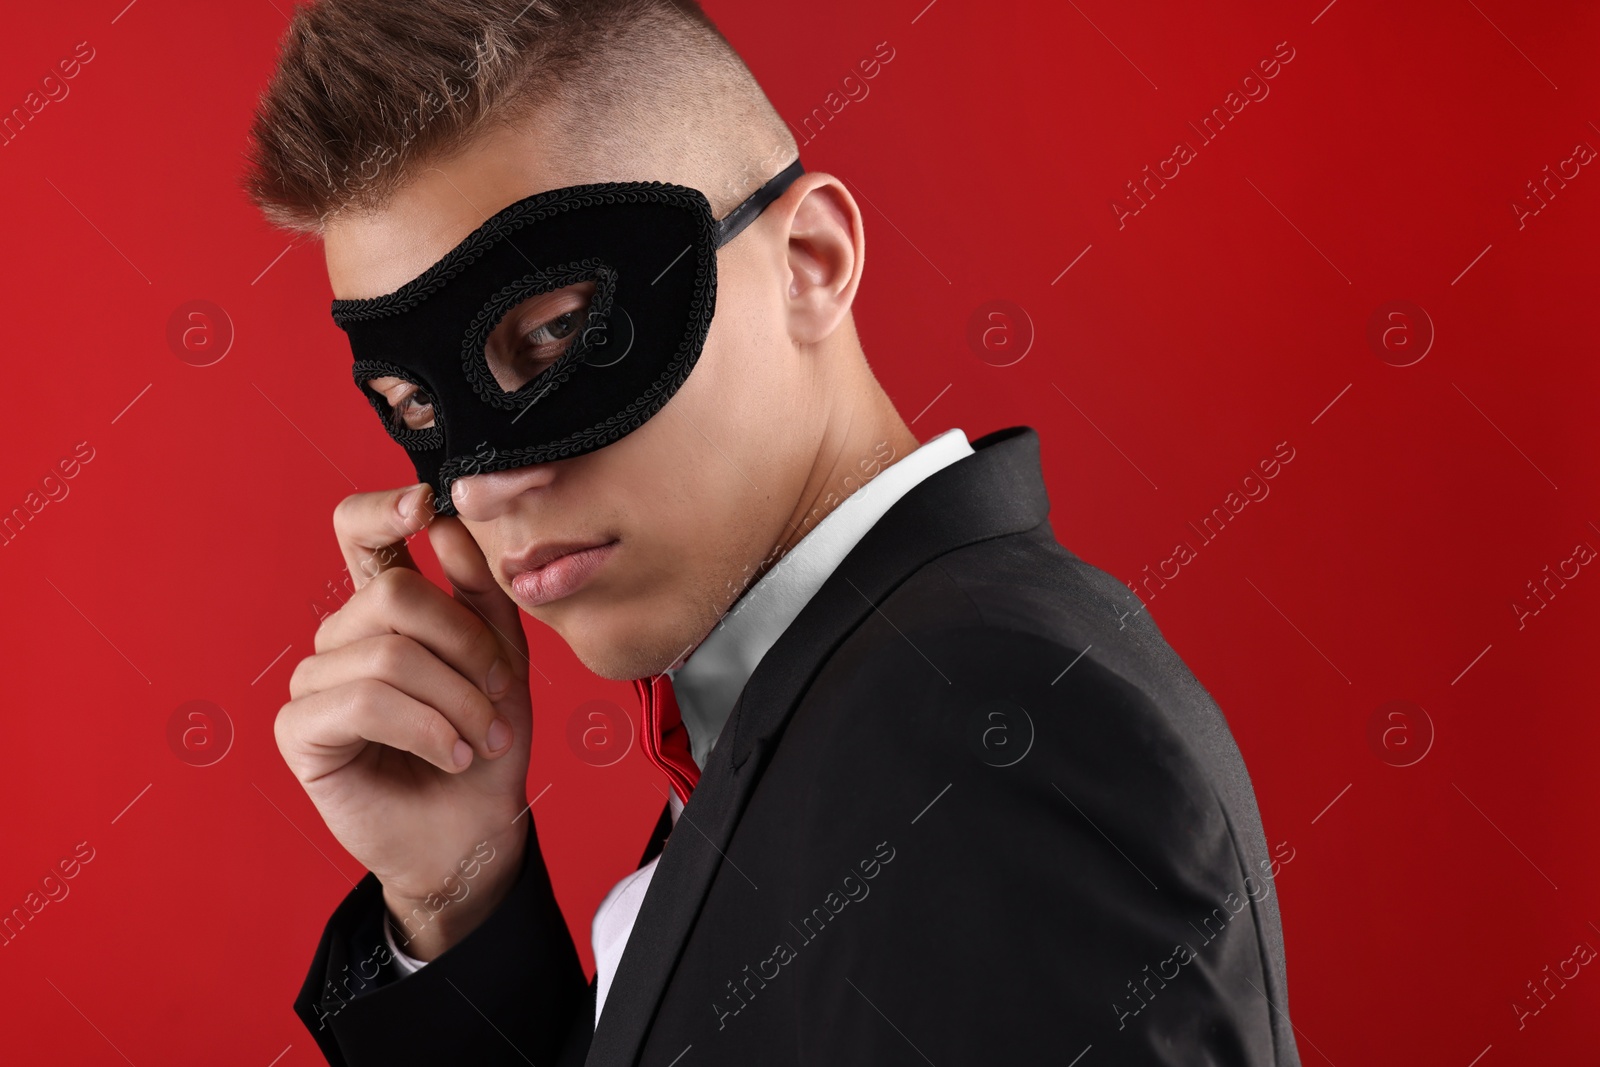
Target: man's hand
410 726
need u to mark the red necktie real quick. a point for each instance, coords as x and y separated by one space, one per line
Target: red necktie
666 739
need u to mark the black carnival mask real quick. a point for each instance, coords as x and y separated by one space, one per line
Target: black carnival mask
633 270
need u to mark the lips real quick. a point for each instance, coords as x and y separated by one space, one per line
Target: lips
550 571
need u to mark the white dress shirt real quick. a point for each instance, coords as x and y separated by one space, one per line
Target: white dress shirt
708 682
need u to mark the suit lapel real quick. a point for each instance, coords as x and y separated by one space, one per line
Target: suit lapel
996 491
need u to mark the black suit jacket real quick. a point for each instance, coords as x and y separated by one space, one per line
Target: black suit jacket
970 808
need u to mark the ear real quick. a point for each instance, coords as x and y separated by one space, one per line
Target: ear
826 250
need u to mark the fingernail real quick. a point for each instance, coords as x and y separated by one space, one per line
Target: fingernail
463 753
499 678
499 735
411 500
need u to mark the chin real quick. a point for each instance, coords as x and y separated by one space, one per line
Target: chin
608 646
605 663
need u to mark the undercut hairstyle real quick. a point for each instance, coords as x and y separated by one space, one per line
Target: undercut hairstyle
368 92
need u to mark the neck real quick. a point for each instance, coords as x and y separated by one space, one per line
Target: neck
863 435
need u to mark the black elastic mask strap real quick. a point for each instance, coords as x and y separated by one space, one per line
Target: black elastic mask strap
729 226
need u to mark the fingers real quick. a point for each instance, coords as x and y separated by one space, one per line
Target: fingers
405 666
402 601
475 586
321 733
372 529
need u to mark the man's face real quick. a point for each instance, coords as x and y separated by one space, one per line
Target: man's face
689 503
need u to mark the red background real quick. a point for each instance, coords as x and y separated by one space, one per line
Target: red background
1230 314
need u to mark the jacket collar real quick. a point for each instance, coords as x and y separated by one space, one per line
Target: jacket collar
998 490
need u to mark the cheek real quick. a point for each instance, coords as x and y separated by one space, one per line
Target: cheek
733 422
694 515
748 351
707 450
493 547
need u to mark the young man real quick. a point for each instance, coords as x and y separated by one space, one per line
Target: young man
935 789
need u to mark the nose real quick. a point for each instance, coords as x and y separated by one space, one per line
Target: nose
483 497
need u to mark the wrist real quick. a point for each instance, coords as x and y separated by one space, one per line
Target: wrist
425 925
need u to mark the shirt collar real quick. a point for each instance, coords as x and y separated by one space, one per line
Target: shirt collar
709 681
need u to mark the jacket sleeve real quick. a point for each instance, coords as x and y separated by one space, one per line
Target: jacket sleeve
510 992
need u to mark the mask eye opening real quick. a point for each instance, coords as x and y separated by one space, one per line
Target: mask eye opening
426 438
474 361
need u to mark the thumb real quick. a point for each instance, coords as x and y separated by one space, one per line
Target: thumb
474 585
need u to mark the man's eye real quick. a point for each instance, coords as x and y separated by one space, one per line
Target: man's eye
557 329
416 410
410 405
536 333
